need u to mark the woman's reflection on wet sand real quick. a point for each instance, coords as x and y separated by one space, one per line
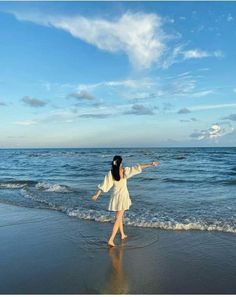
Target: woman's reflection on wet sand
117 282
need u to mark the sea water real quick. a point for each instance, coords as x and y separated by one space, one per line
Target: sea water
191 189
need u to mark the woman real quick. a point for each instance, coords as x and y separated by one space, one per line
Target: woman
120 199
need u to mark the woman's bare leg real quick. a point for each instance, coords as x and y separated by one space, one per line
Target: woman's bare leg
116 227
121 228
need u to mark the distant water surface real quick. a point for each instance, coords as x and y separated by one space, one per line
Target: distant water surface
192 188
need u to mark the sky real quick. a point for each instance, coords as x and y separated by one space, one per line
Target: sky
117 74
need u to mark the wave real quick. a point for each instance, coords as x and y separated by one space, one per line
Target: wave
47 187
36 155
44 203
42 186
147 178
175 180
180 157
16 184
147 222
178 226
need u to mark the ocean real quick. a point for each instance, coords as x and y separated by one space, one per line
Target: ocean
191 189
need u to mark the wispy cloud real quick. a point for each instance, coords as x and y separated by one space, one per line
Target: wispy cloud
179 54
182 85
212 106
26 123
189 120
202 93
166 106
33 102
95 115
82 95
140 96
140 109
59 116
229 18
127 83
231 117
2 103
139 35
198 54
184 111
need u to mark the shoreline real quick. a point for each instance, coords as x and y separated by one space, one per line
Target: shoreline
47 252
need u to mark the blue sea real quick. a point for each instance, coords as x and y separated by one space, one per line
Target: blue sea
191 189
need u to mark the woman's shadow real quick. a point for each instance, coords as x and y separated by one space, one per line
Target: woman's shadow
117 282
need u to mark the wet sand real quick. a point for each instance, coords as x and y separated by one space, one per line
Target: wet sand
45 252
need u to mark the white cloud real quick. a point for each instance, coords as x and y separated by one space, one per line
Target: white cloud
212 133
198 54
138 35
173 57
25 123
229 18
202 93
178 54
212 106
128 83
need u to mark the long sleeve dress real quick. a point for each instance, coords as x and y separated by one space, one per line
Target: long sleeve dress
120 199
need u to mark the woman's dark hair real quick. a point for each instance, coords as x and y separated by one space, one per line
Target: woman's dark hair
115 167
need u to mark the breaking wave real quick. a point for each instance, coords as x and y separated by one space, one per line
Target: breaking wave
16 184
148 222
47 187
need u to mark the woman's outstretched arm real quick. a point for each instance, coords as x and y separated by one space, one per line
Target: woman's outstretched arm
153 164
96 195
105 186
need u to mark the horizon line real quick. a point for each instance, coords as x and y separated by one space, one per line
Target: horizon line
138 147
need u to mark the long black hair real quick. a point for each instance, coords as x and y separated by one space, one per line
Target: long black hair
115 167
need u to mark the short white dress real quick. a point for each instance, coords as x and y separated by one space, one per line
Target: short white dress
120 199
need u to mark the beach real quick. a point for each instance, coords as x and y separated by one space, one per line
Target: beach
46 252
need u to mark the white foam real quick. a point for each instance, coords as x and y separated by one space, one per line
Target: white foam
48 204
12 185
43 186
92 215
103 216
163 222
181 226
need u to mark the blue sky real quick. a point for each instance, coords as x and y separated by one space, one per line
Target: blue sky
117 74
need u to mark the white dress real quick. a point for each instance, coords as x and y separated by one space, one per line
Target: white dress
120 199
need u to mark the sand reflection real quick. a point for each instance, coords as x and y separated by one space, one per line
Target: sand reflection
117 282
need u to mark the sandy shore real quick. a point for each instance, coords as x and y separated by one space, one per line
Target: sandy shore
43 251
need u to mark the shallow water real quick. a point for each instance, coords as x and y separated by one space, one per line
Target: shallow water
192 188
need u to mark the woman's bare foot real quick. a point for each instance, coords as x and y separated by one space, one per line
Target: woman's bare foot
111 243
124 237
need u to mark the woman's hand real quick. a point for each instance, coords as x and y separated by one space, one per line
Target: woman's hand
155 163
95 197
